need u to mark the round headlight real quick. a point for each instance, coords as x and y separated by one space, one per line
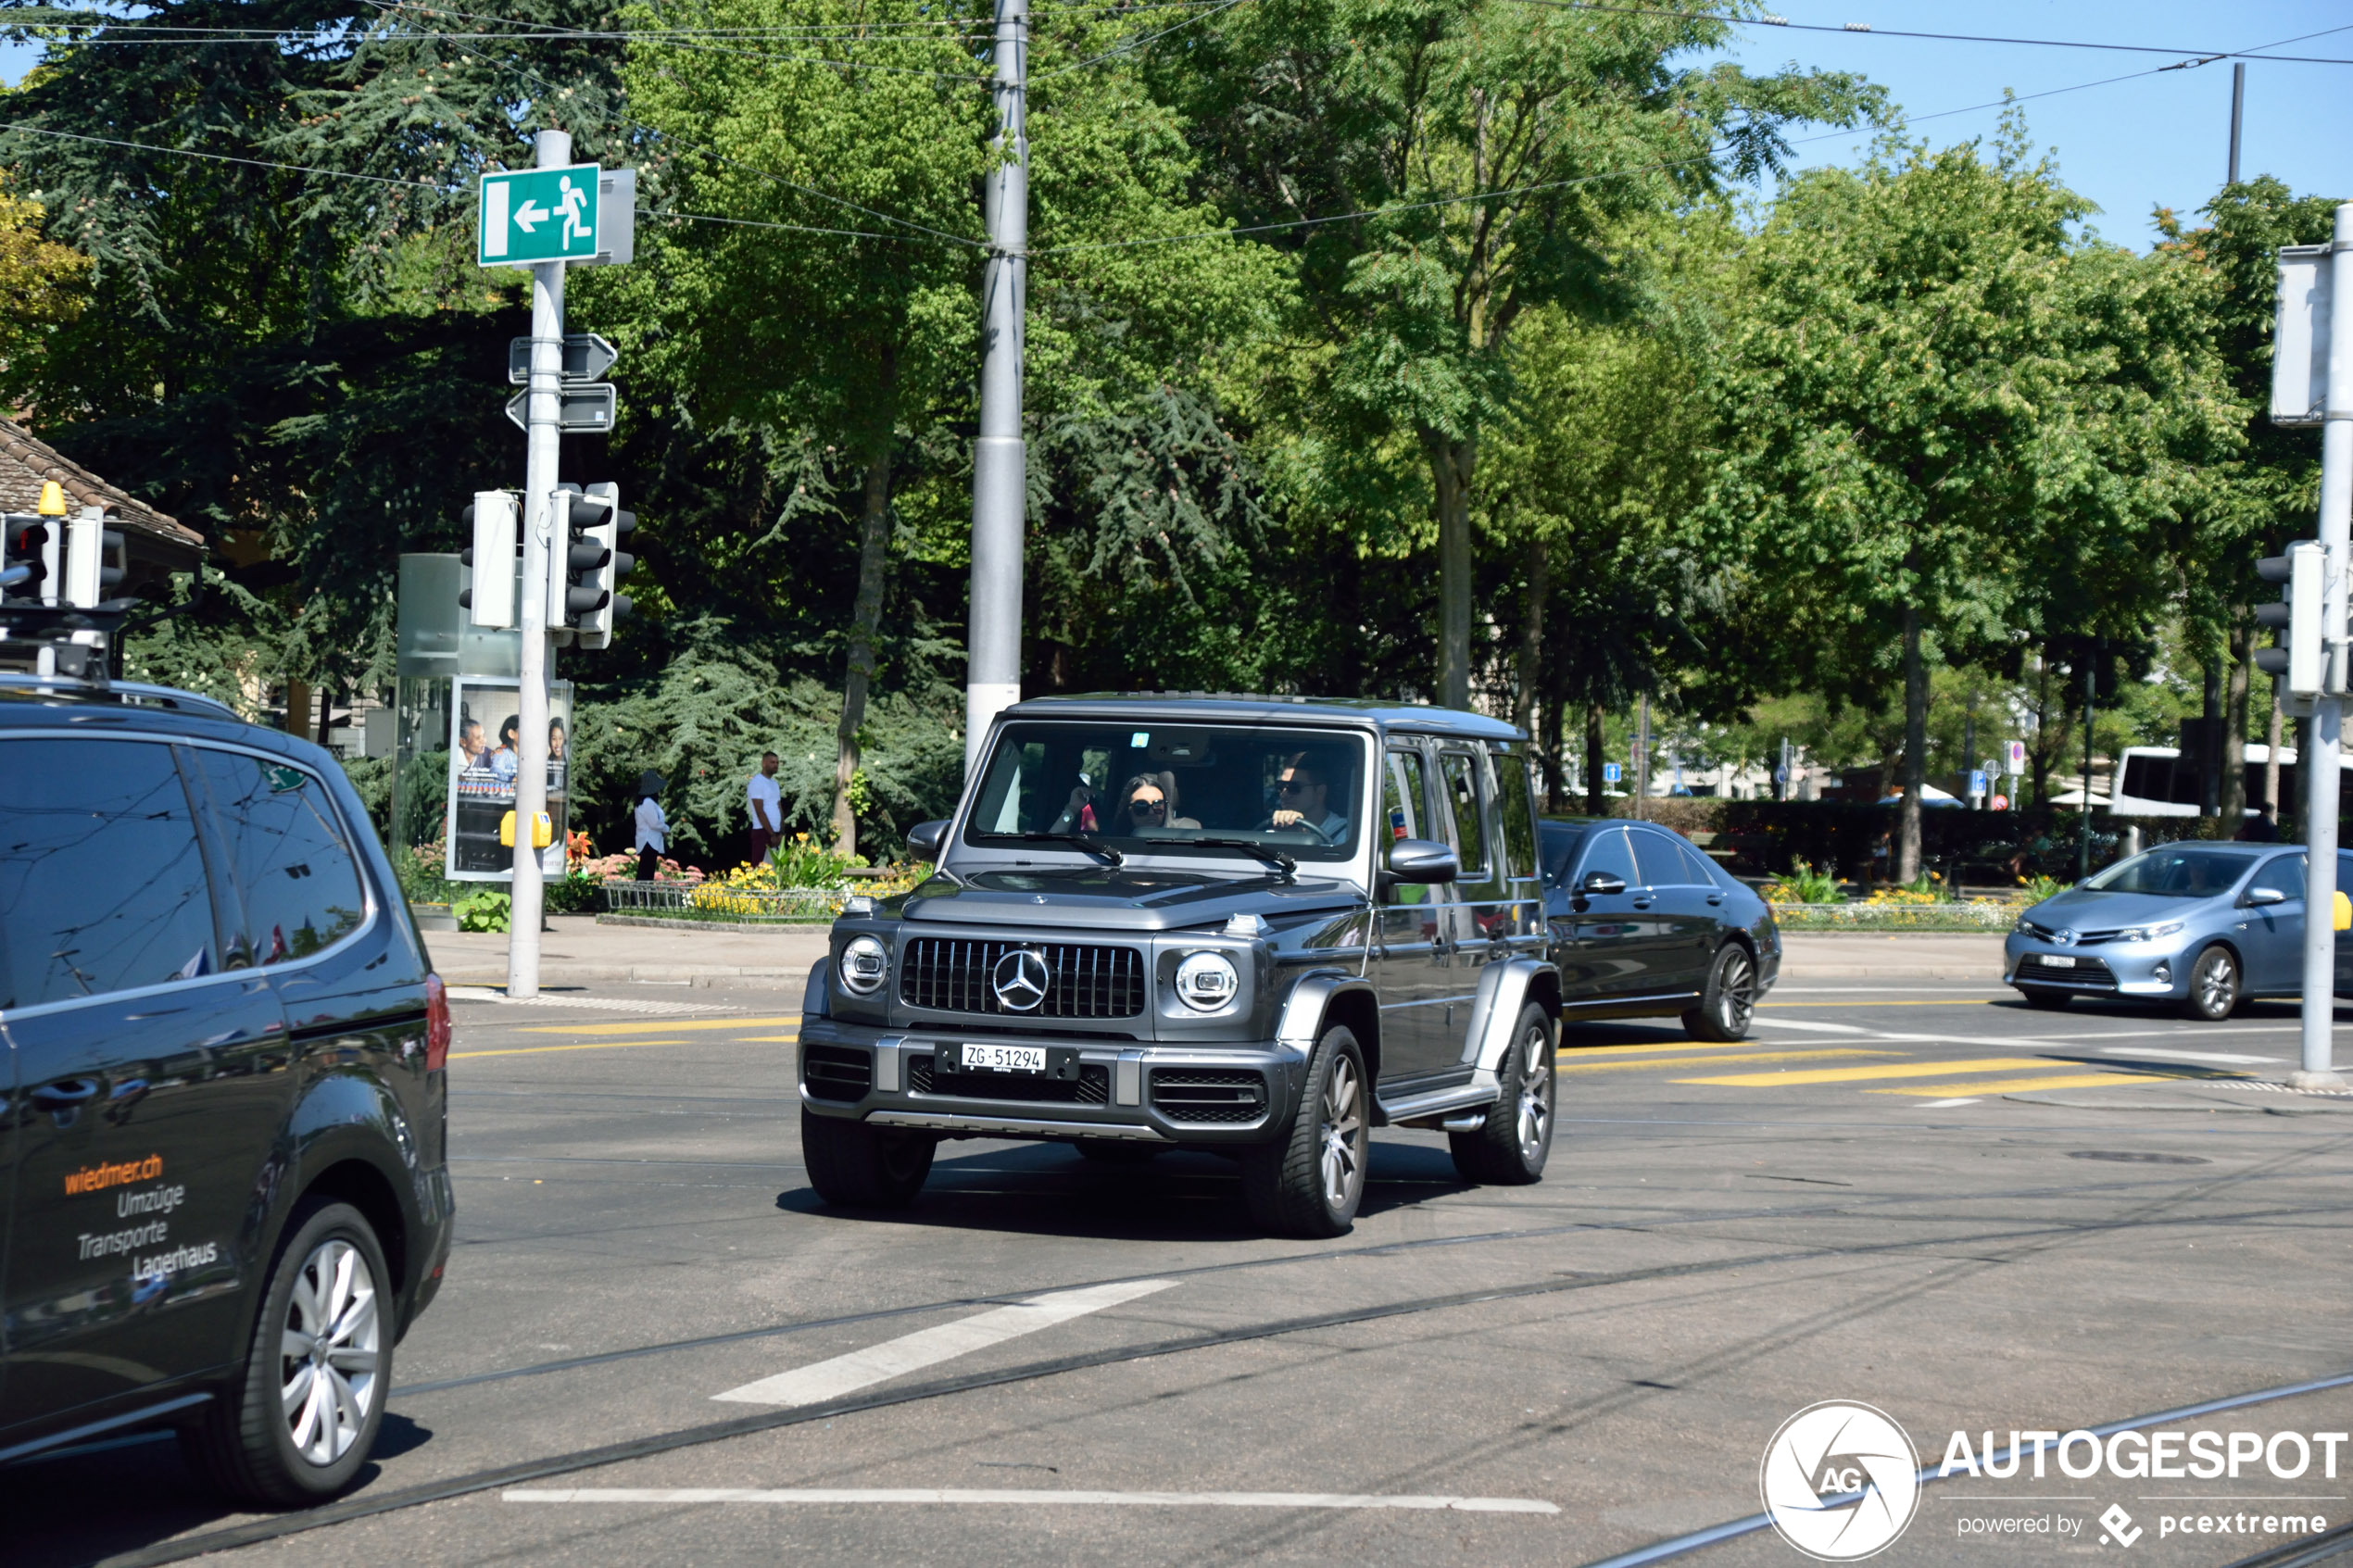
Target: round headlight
1206 981
866 963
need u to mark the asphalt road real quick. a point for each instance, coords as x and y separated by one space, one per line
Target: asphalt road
1926 1198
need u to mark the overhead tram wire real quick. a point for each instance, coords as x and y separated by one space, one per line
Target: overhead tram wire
1136 43
1862 30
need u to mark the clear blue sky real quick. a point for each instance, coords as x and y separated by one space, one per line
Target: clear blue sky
2132 145
2129 145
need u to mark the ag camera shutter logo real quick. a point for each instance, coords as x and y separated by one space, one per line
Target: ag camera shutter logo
1839 1481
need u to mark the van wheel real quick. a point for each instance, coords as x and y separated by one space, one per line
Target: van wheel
1727 1001
1309 1182
853 1165
2214 986
1510 1150
304 1414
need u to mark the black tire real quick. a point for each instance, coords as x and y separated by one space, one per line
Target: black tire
1727 1001
1117 1151
853 1165
1511 1149
1309 1182
2214 985
2050 1000
328 1289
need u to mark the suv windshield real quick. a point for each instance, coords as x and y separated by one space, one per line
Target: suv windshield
2184 873
1142 787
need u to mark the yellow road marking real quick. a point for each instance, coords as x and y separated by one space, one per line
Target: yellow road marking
1696 1061
766 1040
1899 1069
672 1026
599 1046
2014 1085
1567 1051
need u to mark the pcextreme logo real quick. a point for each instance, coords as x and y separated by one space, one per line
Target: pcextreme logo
1839 1481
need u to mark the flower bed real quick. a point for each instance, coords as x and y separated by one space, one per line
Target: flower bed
1977 914
718 902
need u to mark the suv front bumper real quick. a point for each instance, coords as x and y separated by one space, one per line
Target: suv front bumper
1243 1093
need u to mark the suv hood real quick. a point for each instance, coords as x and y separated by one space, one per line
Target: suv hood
1116 899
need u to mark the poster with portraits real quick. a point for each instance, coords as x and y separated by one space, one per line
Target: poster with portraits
485 745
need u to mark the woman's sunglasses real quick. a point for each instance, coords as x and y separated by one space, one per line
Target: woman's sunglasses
1146 807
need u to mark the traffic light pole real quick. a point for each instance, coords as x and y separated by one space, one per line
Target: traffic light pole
2322 760
543 426
992 677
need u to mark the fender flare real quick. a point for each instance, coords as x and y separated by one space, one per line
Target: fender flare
1504 989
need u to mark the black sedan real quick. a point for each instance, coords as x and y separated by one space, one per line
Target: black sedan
1644 925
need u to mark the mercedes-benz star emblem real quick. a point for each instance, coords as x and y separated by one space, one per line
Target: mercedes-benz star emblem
1019 980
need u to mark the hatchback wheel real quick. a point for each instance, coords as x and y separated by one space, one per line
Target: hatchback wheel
2214 985
305 1413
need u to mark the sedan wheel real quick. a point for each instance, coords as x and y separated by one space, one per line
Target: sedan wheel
1727 1001
2214 986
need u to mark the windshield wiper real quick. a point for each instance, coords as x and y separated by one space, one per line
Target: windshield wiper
1265 852
1086 841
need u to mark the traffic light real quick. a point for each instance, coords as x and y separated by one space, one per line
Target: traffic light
94 558
489 596
2300 656
36 541
587 563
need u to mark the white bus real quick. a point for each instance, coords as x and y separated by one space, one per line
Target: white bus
2149 783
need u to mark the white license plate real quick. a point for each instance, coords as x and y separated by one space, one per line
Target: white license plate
2050 961
1004 1059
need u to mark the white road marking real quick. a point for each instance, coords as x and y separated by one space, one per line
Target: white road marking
1945 1104
804 1496
1801 1024
912 1352
2225 1058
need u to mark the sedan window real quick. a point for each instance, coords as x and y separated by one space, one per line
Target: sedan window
1609 853
2286 873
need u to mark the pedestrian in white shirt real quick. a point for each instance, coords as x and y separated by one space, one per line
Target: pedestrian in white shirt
765 802
653 829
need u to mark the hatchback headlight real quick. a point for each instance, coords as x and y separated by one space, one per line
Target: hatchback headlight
1206 981
865 964
2150 933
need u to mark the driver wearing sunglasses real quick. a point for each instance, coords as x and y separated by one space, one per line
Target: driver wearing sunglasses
1303 801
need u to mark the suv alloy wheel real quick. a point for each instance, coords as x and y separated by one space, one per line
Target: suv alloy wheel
1510 1148
1309 1182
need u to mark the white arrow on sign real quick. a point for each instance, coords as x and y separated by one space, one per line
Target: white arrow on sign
530 215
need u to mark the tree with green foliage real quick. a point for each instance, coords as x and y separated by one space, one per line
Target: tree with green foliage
1436 169
1949 425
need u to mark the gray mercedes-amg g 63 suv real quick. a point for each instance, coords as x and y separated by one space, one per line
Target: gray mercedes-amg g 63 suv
1260 927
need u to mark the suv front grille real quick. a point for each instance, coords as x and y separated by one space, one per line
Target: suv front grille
1209 1094
1091 1087
837 1072
951 974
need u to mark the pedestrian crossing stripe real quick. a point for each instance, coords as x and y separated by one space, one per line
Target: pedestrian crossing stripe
1855 1075
1627 1066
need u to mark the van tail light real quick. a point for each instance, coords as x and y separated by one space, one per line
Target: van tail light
436 1024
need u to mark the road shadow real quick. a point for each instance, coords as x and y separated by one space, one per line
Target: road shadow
1181 1195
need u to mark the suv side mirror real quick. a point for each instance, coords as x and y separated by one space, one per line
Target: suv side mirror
1601 884
1423 859
2265 896
922 839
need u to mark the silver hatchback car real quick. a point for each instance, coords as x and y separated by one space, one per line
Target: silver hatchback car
2203 926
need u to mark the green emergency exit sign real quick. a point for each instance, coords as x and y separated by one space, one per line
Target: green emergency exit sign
538 215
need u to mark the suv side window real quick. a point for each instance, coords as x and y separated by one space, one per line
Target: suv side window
1459 771
102 884
1406 809
301 886
1513 798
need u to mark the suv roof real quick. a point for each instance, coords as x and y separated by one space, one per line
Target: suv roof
1242 707
62 689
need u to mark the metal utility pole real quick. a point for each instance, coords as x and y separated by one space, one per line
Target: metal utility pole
1641 757
2322 752
2238 112
992 677
543 426
2083 823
